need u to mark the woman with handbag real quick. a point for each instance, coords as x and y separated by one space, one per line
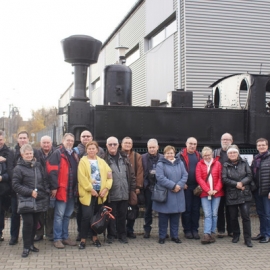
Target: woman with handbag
237 177
171 175
95 181
31 186
208 176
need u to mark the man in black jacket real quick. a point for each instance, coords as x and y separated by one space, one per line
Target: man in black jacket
45 219
6 161
223 211
22 138
261 176
149 161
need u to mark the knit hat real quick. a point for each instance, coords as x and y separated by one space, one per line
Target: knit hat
233 148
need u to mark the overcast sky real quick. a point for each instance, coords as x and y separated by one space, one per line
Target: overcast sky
32 70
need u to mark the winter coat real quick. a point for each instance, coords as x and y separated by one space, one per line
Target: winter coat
120 190
9 156
59 172
85 183
169 175
23 183
233 173
263 178
201 174
147 160
136 162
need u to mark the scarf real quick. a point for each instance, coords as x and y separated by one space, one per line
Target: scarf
257 162
210 178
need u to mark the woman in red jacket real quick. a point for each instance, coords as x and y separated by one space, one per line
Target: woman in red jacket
208 176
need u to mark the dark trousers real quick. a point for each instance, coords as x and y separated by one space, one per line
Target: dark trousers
2 217
79 216
46 223
119 211
244 211
148 219
223 211
191 217
263 211
88 211
30 221
15 219
163 224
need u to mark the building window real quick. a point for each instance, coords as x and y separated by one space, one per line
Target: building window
164 33
133 56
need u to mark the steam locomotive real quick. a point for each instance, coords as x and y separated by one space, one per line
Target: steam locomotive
239 106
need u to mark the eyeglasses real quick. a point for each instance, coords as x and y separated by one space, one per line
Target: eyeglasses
86 136
226 139
112 144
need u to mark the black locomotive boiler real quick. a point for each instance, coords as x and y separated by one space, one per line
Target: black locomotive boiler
246 116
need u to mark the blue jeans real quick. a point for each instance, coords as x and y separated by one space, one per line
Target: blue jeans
191 217
163 224
148 219
210 209
15 219
263 211
62 212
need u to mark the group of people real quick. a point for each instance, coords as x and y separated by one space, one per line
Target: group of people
86 176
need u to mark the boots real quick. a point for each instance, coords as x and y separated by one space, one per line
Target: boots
206 239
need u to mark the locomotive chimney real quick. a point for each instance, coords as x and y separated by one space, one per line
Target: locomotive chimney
81 51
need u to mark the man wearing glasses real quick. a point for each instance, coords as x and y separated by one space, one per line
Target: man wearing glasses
221 153
123 183
86 136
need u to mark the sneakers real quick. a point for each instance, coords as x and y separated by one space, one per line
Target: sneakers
69 242
58 244
2 238
206 239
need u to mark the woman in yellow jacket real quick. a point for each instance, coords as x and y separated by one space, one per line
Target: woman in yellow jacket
95 181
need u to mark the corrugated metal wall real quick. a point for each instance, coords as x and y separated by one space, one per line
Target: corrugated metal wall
131 34
221 38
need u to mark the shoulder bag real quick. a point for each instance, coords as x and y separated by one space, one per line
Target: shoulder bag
159 194
198 190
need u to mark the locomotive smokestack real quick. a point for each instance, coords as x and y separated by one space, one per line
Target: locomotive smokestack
81 51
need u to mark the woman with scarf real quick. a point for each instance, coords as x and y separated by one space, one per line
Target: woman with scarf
29 181
236 176
208 176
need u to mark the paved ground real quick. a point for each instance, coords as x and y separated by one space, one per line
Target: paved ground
139 254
